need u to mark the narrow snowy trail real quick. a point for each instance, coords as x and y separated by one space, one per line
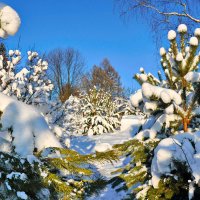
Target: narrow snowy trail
106 170
86 145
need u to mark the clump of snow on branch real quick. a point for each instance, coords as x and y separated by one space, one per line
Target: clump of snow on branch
171 35
194 41
162 51
9 21
182 28
197 32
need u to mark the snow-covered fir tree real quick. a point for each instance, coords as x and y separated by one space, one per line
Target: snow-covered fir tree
165 152
99 113
64 117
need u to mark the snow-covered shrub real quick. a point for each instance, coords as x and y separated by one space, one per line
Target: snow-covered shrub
29 84
65 115
99 113
164 161
126 107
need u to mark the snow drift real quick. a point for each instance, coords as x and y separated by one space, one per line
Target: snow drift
29 128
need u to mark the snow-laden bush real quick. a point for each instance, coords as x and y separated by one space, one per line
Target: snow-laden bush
98 113
71 118
29 84
164 161
65 115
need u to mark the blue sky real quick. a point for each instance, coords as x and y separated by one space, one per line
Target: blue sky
94 27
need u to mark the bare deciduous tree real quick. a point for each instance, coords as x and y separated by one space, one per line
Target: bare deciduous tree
162 14
103 77
66 68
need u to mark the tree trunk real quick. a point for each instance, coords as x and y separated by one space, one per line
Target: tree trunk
185 124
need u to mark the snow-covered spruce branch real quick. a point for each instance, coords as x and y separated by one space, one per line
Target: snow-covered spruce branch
186 159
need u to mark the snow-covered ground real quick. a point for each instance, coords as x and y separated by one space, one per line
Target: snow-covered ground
129 127
87 144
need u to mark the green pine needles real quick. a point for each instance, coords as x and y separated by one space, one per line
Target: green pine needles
53 173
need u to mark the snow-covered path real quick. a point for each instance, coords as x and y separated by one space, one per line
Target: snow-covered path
87 144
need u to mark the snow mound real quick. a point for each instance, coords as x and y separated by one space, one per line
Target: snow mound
29 128
103 147
128 123
183 147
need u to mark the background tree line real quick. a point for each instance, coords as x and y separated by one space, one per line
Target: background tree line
67 71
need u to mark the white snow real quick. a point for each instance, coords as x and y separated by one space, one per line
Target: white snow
179 57
162 51
57 130
197 32
171 35
182 28
150 106
9 20
194 41
141 69
22 195
17 175
136 98
86 144
67 142
146 134
187 49
167 95
128 123
103 147
192 77
181 148
30 130
170 109
164 119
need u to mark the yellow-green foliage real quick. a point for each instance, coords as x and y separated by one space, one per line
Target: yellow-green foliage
135 176
136 171
73 165
64 173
